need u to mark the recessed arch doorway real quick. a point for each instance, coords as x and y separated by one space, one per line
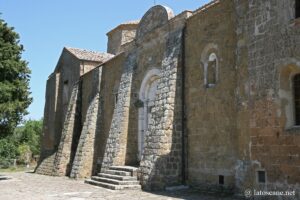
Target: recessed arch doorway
147 96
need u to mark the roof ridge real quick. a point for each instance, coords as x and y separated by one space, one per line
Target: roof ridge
127 23
90 55
206 6
87 50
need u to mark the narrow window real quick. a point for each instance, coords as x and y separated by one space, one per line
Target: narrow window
296 83
211 71
221 179
261 176
297 9
116 98
66 92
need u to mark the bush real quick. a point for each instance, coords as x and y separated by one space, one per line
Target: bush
8 152
25 154
30 134
8 149
5 163
23 144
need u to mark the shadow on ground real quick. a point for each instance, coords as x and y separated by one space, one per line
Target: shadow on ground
194 194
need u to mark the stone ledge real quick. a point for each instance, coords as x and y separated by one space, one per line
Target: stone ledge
295 22
293 129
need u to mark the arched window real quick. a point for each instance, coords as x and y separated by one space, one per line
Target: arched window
296 84
115 93
66 93
211 72
210 64
289 94
297 8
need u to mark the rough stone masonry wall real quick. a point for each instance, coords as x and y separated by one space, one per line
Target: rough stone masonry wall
211 111
69 69
45 167
45 164
63 159
84 161
273 43
161 160
243 175
120 36
115 150
111 76
48 139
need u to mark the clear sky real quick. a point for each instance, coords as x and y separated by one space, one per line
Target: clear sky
45 27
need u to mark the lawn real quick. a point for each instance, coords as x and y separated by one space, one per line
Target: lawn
17 169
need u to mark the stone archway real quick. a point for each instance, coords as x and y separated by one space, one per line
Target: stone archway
147 95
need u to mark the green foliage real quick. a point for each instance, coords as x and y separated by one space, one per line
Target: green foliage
24 143
30 134
14 81
24 153
8 150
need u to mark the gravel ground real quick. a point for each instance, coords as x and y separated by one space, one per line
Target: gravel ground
30 186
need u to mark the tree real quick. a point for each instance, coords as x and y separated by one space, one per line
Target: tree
24 154
14 81
29 134
7 149
22 144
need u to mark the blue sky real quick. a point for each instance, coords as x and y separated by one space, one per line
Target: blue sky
45 27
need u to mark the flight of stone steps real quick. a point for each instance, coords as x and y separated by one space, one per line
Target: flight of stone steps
3 177
117 178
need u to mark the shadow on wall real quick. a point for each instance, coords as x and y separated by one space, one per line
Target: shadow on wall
99 138
166 169
77 130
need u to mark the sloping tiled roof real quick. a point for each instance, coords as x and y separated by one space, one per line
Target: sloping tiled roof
133 23
83 54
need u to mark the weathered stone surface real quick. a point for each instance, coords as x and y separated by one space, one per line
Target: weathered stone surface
204 98
36 187
117 178
154 18
70 135
212 137
272 36
120 36
84 162
160 164
115 150
46 166
72 64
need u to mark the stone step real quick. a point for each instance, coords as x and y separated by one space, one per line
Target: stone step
113 181
4 177
112 186
117 172
132 170
124 168
116 177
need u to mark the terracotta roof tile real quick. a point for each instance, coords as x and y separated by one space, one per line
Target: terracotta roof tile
83 54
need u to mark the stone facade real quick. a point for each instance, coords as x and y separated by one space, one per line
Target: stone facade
203 98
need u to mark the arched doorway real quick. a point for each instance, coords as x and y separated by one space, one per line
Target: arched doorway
147 96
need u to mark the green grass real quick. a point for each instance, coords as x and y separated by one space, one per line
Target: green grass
17 169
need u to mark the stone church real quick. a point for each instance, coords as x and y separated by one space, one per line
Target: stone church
207 98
